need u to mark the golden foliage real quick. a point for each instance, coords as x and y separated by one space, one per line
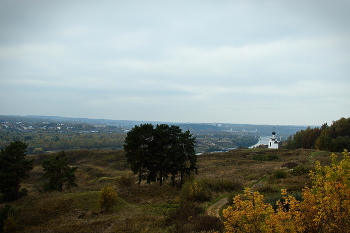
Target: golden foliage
248 214
108 198
327 203
325 206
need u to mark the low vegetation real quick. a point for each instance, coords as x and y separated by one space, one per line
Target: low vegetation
324 207
150 207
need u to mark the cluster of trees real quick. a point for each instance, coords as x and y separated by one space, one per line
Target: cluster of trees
325 206
334 138
15 166
159 152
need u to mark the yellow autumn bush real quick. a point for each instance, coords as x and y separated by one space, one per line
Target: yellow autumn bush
108 198
248 214
325 206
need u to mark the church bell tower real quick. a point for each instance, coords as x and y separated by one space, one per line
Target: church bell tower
273 142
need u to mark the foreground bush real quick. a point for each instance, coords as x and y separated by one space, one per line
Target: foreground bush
325 206
108 198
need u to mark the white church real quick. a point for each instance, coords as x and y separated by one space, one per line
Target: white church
273 142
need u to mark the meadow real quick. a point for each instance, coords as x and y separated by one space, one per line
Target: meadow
150 207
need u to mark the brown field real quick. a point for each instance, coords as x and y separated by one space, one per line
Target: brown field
146 208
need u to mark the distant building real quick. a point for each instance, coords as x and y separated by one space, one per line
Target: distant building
273 142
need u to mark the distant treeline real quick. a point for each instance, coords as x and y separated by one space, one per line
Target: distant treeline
46 141
41 142
334 138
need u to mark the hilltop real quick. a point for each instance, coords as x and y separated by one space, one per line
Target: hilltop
149 207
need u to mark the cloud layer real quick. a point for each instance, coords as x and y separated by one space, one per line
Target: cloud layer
258 62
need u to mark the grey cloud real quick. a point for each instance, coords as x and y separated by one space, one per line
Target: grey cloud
199 61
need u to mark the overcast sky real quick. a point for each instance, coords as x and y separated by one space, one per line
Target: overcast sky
279 62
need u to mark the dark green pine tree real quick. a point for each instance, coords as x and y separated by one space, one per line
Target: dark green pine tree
138 149
188 158
58 173
14 167
160 159
156 153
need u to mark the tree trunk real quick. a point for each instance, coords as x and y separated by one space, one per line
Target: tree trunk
161 178
181 178
140 176
173 180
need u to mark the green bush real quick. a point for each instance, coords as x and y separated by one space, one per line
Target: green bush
290 165
299 170
230 198
280 174
273 198
263 157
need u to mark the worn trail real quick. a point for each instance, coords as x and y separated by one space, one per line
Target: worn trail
214 210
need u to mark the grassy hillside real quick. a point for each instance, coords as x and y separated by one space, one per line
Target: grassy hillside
146 208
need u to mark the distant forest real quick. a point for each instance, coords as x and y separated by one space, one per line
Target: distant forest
45 134
335 137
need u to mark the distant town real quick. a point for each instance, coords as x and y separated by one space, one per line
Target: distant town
85 125
47 133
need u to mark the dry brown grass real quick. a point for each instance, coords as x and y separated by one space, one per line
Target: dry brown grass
144 208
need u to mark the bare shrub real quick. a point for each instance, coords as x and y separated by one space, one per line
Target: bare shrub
195 191
290 165
182 218
188 217
223 185
207 223
126 181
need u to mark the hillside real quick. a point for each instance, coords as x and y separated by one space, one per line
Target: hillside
146 208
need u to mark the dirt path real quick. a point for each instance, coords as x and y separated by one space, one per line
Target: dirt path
214 209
